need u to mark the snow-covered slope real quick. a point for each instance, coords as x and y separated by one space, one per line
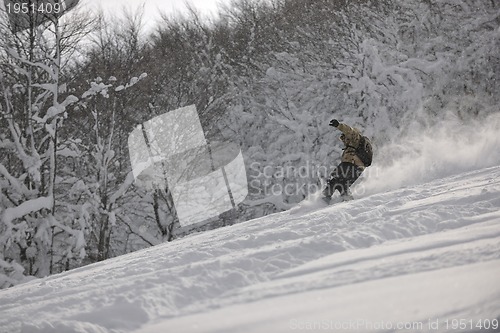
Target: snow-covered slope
421 258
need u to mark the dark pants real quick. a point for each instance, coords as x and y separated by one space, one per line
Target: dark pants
341 178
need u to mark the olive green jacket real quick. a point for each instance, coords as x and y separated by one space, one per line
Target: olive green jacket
351 140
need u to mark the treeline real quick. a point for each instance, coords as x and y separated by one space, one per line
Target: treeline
267 75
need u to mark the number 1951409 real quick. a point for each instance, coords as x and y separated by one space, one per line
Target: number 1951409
462 324
33 8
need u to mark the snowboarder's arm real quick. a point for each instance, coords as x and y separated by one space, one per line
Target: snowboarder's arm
352 136
347 130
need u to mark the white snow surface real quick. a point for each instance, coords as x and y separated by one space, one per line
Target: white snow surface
414 259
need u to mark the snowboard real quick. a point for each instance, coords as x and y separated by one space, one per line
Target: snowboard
318 201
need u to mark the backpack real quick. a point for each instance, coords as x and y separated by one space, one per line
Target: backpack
365 151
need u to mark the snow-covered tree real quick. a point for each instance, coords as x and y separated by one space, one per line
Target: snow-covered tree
35 233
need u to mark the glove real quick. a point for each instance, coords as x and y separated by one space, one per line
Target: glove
334 123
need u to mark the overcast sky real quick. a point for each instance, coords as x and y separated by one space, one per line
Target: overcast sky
152 7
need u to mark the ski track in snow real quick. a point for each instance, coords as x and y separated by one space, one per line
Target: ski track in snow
435 227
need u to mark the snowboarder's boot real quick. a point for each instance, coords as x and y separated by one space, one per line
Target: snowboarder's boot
346 195
327 199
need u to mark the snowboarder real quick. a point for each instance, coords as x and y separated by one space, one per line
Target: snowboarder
356 157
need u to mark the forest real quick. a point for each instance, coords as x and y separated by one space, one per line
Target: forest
265 75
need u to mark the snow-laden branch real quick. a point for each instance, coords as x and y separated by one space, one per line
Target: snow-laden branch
97 88
56 110
50 87
14 182
61 108
13 53
129 180
133 82
27 207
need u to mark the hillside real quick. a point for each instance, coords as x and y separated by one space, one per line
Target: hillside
399 258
